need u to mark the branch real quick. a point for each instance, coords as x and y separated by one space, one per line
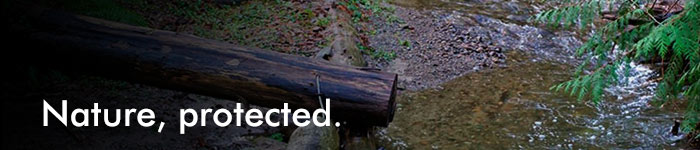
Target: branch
645 12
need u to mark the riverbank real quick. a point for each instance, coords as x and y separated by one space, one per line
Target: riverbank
511 106
472 75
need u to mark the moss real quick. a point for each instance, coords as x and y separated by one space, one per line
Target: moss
105 9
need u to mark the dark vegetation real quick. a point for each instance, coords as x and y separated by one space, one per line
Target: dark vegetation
639 32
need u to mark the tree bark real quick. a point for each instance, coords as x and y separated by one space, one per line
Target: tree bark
188 63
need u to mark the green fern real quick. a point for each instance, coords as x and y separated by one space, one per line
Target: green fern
674 41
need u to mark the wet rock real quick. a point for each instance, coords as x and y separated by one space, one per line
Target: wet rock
316 29
360 143
268 144
314 138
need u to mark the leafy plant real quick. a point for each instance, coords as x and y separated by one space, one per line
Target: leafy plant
405 43
393 19
362 9
674 41
354 7
323 22
377 54
277 137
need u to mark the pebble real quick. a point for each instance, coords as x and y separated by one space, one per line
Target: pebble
592 137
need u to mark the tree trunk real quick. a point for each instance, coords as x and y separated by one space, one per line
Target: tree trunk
188 63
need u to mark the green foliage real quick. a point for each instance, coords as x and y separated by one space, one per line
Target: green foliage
674 41
405 43
393 19
360 12
105 9
362 9
377 54
323 22
277 137
355 8
278 25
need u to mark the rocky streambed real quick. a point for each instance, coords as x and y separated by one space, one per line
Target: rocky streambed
485 74
448 41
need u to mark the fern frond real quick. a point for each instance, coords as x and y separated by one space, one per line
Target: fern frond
675 40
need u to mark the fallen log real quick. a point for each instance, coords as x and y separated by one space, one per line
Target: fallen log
188 63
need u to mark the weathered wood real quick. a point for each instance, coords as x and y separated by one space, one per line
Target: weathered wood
188 63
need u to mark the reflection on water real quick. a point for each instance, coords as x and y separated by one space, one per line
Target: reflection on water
512 107
516 11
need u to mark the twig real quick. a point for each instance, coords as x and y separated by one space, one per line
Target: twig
672 6
645 12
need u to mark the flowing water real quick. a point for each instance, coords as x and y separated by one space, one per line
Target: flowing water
512 106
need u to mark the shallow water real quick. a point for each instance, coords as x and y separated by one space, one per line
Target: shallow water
512 107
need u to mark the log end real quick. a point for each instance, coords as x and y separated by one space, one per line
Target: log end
392 101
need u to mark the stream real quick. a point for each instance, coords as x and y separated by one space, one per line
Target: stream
512 107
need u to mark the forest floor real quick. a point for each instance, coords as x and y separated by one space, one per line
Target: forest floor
426 50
